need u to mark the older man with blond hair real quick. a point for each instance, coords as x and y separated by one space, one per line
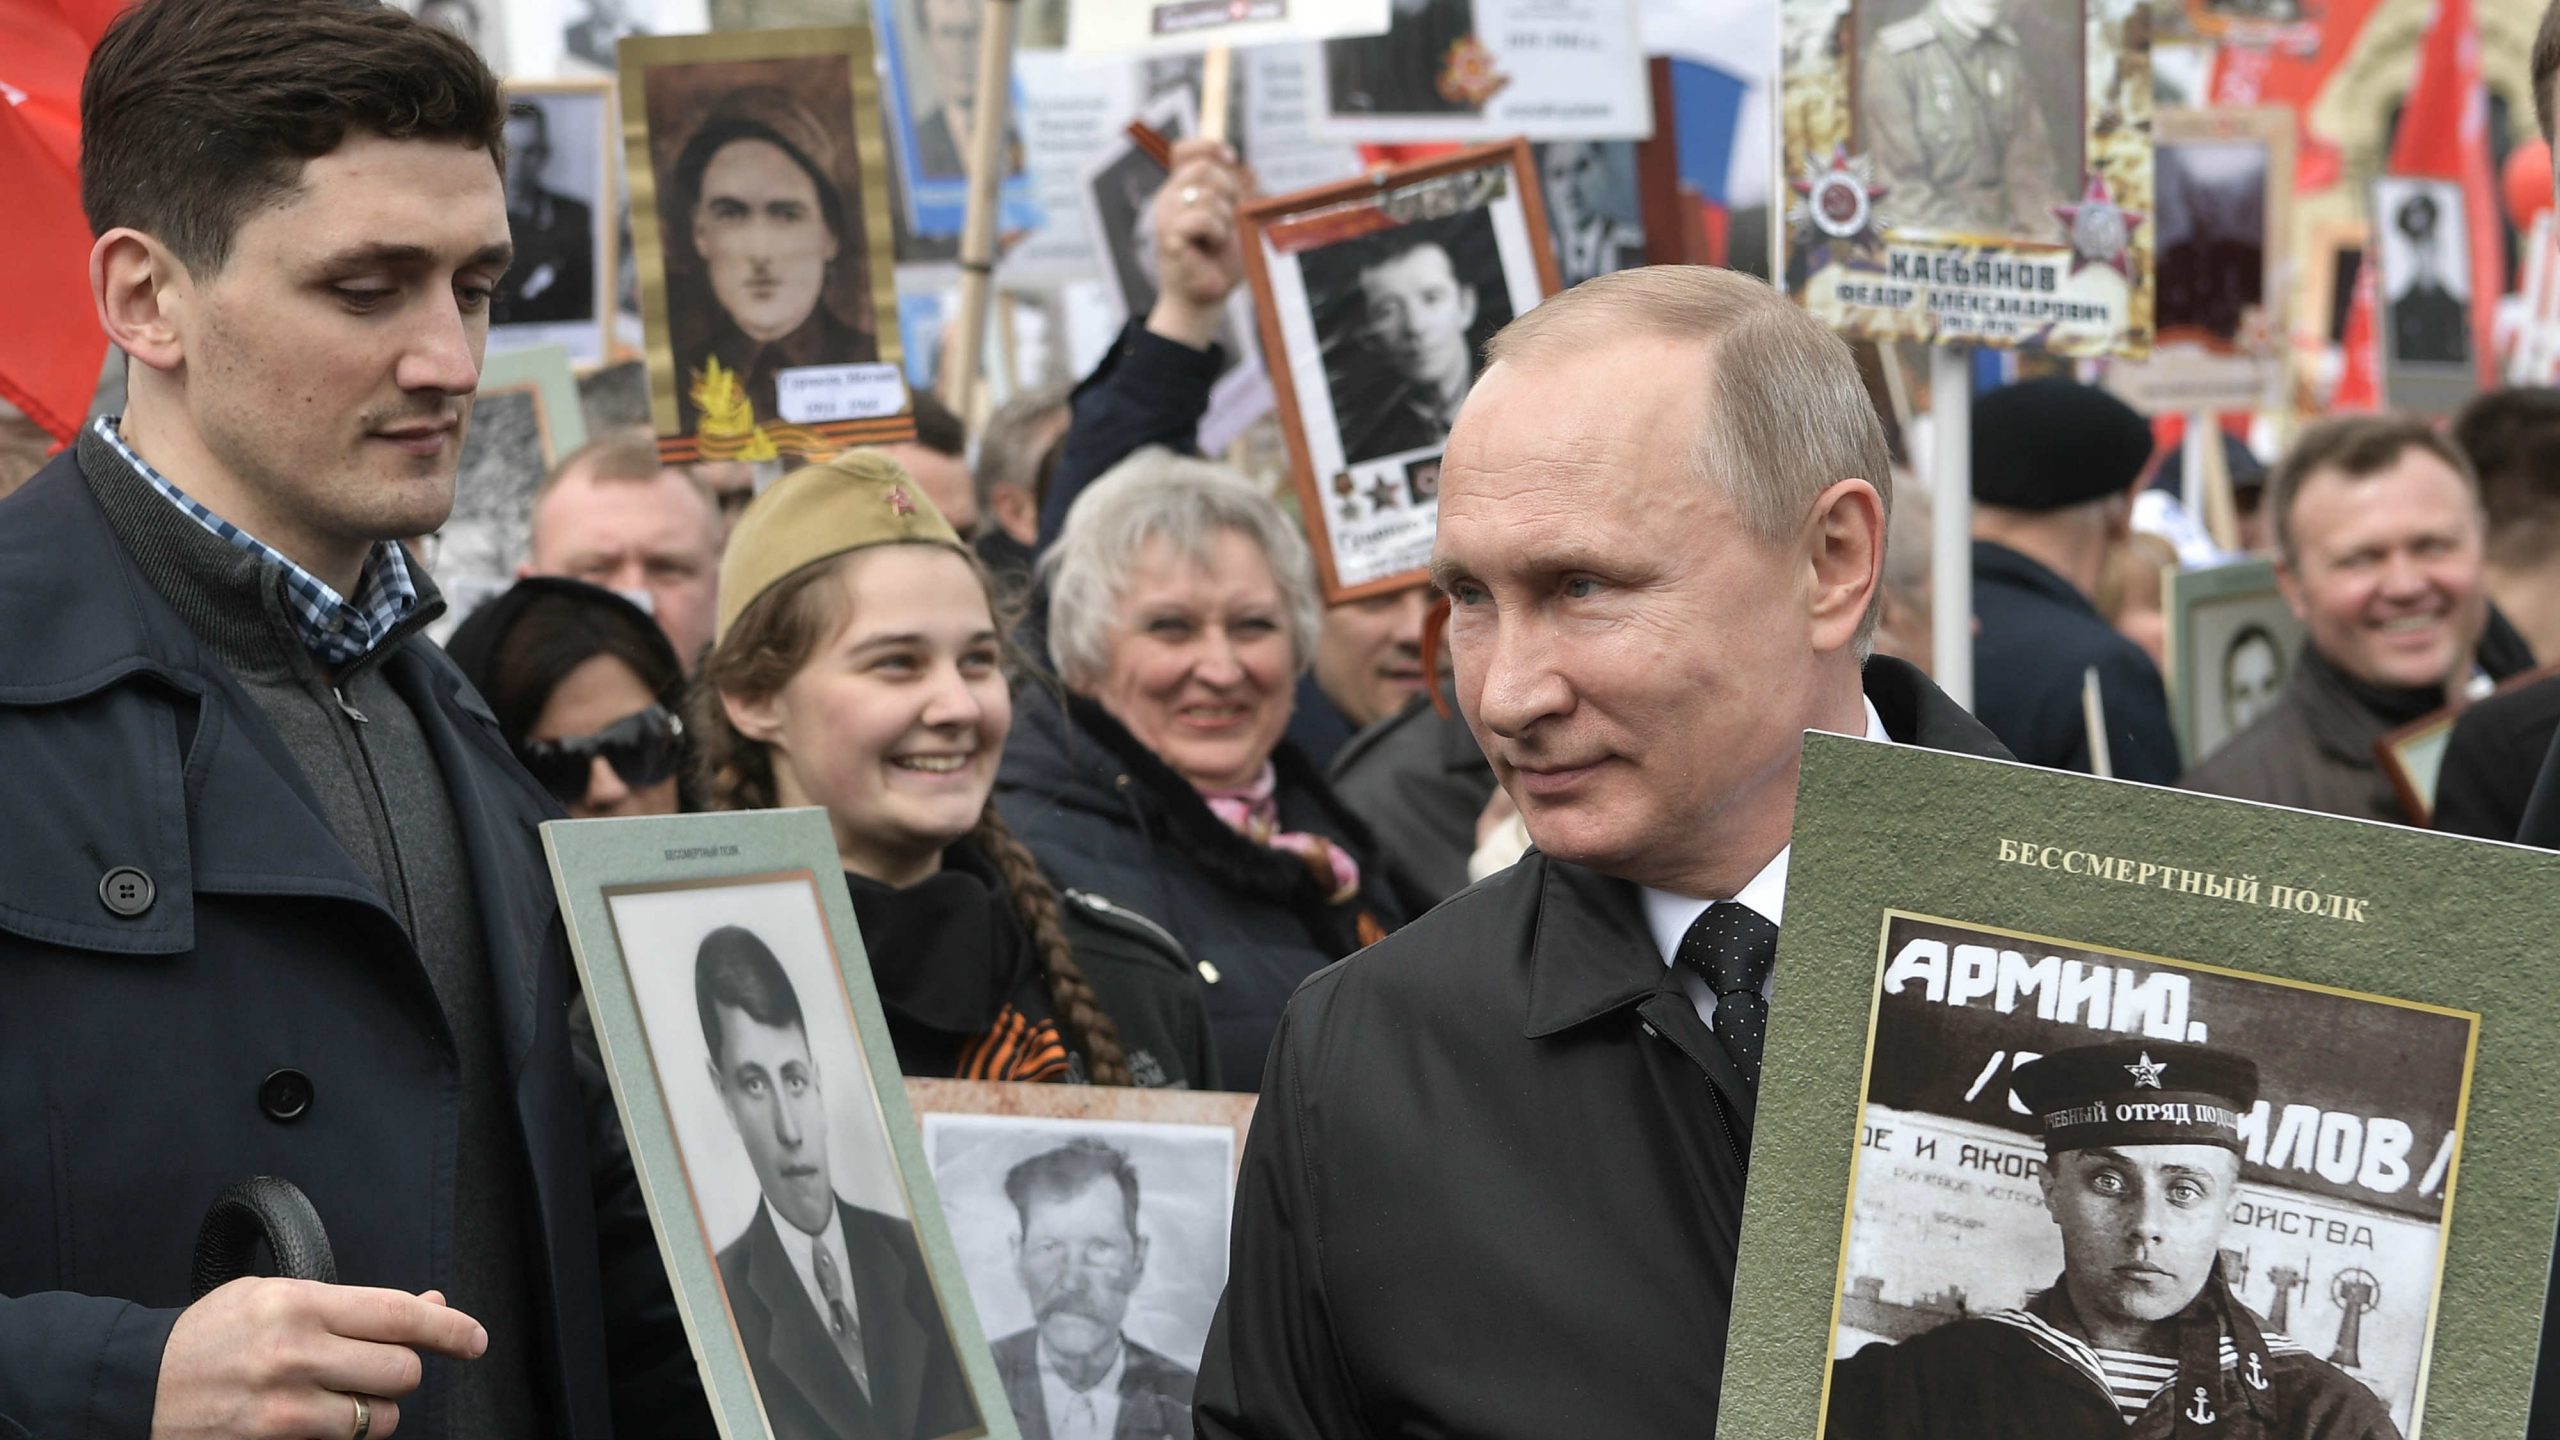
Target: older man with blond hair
1495 1182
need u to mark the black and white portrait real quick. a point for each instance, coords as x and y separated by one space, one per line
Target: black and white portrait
1403 72
2420 228
1594 214
2212 236
505 455
1377 298
1095 1253
2232 641
769 1092
1404 315
2095 1189
1972 111
589 30
761 228
560 205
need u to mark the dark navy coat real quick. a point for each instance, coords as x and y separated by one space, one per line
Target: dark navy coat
2038 638
139 1052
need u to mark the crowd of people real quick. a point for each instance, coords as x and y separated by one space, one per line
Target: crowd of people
1112 787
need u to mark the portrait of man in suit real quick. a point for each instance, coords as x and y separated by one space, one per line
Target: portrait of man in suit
833 1304
1074 1374
1591 207
1402 315
554 274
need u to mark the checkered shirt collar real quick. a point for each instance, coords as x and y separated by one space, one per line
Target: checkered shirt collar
336 630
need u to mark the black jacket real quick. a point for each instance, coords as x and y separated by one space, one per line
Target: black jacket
1107 817
1149 988
138 1053
1147 391
2038 637
918 1389
1494 1185
1155 1392
2497 748
1420 782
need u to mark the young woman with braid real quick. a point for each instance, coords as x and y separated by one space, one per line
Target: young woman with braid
860 666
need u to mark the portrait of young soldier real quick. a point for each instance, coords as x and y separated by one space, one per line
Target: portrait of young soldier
764 248
832 1300
1075 1375
1402 316
554 276
1960 111
2140 1336
1593 214
275 901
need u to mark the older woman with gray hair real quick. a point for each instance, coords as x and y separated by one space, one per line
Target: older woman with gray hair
1182 609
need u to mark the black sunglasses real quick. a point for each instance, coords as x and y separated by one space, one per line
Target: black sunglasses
641 748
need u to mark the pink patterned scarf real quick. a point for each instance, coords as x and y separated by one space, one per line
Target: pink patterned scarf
1253 811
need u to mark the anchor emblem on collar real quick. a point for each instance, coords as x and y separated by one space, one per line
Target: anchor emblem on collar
2257 1378
2200 1412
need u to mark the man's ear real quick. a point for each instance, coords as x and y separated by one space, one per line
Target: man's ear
2289 585
1844 552
141 292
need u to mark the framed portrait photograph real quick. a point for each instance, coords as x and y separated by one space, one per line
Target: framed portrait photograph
1481 70
759 214
1377 297
760 1096
2092 1108
562 207
1095 1240
1595 211
1970 170
2422 240
525 419
582 35
2412 756
2223 326
929 50
2231 648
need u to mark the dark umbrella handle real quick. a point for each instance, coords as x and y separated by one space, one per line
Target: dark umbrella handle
262 1207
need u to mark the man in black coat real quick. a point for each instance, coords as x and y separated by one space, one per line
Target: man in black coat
272 901
833 1302
1495 1183
2054 467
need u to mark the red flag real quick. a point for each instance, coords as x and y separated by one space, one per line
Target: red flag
50 345
2444 135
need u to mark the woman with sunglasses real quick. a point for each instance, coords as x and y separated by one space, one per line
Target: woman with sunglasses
585 687
860 666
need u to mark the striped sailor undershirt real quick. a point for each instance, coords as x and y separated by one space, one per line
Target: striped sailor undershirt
335 629
2130 1379
2133 1378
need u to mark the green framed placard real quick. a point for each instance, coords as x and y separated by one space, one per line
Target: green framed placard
670 919
1950 919
2232 645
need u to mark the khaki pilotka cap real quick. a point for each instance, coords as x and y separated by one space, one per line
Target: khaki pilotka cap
859 499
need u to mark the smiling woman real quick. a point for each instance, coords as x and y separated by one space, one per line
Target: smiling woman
1182 610
860 667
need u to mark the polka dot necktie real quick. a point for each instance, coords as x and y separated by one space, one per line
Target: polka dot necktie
1733 946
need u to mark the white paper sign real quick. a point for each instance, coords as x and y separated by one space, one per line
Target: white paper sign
1172 27
814 394
1479 70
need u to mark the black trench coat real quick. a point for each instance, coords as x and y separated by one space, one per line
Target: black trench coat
136 1050
1495 1181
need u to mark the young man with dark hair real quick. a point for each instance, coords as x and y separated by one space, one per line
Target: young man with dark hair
267 837
832 1301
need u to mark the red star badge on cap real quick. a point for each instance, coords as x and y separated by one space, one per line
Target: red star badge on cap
900 503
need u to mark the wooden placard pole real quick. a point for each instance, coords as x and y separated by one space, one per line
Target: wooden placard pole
1951 521
1217 83
965 337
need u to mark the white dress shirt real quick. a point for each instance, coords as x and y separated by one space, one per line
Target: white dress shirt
1081 1414
1670 916
802 1246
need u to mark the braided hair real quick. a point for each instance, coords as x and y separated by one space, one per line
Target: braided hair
763 648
